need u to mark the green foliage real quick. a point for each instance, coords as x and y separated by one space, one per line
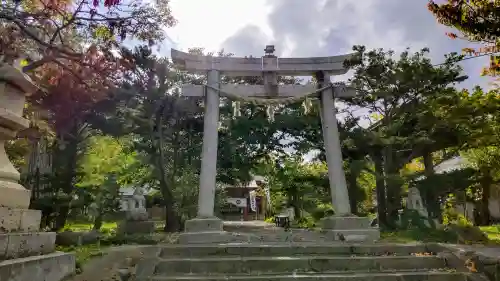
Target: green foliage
107 156
485 160
451 216
17 151
477 21
306 222
469 17
321 211
302 186
419 112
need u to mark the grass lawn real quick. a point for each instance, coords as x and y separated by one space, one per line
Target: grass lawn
493 232
413 235
86 226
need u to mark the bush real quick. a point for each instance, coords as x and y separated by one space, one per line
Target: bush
322 211
307 222
269 220
451 216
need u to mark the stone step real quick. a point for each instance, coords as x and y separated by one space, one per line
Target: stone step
20 245
290 249
50 267
293 235
259 265
251 227
408 276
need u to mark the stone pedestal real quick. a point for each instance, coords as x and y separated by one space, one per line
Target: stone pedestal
209 231
136 222
349 228
136 227
25 253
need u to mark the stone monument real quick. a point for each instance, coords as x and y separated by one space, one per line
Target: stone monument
414 202
136 220
269 67
26 254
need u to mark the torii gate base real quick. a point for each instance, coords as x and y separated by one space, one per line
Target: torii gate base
207 228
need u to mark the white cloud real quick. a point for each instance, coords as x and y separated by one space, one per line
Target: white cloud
208 24
313 27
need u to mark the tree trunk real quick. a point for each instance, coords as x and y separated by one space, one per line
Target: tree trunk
98 221
352 181
172 218
393 188
380 190
67 157
486 182
430 198
62 217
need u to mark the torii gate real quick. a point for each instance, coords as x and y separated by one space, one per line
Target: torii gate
270 67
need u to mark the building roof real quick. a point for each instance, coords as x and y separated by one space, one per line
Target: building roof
452 164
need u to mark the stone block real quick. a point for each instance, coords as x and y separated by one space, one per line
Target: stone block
216 237
71 238
30 220
19 245
136 227
300 264
338 222
14 195
50 267
352 235
137 215
4 242
19 220
204 224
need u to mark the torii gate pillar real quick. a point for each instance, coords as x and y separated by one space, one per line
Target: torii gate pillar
206 197
331 139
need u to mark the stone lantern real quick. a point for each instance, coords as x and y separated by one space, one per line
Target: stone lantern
14 86
20 235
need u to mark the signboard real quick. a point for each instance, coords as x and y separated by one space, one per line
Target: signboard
238 202
253 200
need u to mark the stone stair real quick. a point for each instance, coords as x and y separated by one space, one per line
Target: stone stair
305 261
268 233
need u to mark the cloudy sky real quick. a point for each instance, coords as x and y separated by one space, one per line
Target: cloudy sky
313 28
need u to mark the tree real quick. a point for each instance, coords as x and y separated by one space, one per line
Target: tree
303 186
397 91
486 163
55 30
105 200
72 49
164 127
477 21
